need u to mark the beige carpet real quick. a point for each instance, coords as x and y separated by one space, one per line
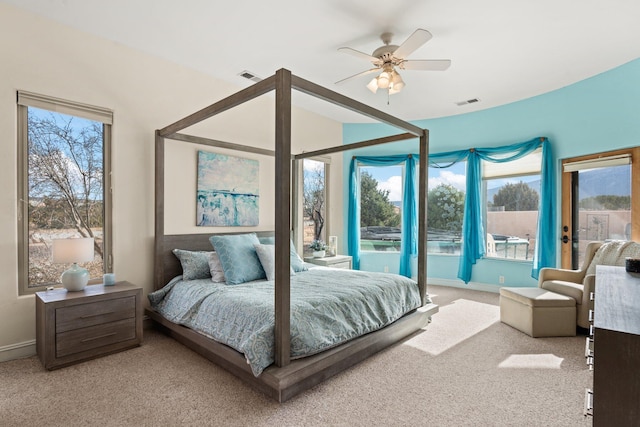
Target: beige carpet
465 369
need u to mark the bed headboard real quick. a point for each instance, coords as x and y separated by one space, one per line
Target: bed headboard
167 265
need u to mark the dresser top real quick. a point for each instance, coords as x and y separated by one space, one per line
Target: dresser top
617 300
60 294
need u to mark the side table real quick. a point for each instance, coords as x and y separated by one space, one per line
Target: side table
72 327
337 261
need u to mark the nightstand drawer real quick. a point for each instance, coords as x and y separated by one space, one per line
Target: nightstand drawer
346 265
79 340
85 315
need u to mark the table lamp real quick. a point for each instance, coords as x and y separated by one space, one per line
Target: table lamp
73 251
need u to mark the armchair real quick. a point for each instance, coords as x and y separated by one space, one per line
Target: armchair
576 284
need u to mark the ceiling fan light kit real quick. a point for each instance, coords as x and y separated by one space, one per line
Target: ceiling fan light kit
389 79
387 57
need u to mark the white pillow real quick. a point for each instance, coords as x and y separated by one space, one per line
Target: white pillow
217 274
266 254
615 253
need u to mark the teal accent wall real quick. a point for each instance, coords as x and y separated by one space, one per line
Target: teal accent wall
597 114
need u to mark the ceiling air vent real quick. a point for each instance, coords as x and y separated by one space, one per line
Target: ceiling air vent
468 101
249 75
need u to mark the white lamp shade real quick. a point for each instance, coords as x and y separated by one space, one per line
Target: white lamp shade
383 80
396 84
67 251
373 85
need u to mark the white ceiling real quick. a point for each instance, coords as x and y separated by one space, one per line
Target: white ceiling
501 50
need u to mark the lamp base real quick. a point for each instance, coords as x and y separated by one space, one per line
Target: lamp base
75 278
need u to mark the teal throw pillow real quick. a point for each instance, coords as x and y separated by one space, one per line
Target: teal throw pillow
238 257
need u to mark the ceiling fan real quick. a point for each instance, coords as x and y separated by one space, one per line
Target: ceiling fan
386 58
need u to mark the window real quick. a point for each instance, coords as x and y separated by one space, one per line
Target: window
63 185
445 208
315 192
380 208
512 195
599 201
381 190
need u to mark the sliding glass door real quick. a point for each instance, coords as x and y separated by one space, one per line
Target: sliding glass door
599 192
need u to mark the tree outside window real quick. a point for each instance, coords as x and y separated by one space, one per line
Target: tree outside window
314 202
380 216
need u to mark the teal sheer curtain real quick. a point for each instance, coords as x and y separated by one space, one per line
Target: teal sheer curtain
409 234
473 232
545 251
474 235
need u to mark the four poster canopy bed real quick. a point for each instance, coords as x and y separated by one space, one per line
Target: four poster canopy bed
354 314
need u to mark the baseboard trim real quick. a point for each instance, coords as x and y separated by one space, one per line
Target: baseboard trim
476 286
17 351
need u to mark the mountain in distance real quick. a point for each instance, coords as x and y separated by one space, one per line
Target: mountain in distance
615 181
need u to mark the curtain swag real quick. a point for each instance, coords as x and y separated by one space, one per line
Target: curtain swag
474 236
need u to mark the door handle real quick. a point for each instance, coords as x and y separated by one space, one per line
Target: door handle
565 239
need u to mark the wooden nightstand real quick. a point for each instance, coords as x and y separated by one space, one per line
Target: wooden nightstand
338 261
72 327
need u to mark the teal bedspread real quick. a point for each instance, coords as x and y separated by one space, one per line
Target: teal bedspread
328 308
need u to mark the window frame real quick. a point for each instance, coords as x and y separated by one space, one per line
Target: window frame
297 209
456 252
402 176
485 201
57 105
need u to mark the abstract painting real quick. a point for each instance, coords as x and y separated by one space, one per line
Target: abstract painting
227 191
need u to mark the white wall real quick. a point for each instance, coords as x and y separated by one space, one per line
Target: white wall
145 93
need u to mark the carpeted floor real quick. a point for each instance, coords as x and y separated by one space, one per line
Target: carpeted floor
465 369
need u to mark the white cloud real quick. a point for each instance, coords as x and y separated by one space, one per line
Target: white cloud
394 185
446 177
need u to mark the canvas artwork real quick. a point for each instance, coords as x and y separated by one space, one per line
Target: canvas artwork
227 191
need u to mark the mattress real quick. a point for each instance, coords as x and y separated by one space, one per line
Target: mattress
328 307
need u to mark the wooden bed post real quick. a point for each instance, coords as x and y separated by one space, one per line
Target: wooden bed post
422 215
158 276
283 218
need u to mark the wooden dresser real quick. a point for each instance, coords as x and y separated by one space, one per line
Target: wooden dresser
616 348
72 327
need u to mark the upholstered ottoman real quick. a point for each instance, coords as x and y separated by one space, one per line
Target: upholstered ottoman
538 312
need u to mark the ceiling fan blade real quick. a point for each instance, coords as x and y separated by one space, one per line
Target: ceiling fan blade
426 64
415 40
372 70
359 54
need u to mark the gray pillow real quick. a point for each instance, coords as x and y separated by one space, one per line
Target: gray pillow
266 254
195 264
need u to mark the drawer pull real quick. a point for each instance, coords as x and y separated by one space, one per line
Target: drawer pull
591 296
590 362
591 330
590 315
588 402
98 337
89 316
588 348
